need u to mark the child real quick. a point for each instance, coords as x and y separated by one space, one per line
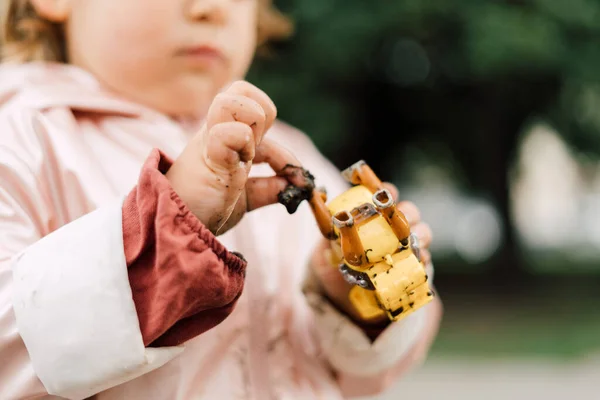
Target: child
121 284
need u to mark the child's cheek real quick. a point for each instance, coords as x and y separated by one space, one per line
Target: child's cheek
242 36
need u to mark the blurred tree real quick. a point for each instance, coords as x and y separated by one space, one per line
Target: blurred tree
463 75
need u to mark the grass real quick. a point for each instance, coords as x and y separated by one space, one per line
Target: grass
561 319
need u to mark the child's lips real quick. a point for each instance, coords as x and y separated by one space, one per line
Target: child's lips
203 55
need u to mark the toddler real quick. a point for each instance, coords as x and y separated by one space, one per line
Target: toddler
142 255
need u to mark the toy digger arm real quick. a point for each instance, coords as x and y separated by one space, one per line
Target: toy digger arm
387 207
322 214
361 174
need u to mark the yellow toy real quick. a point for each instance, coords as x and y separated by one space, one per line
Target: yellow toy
373 247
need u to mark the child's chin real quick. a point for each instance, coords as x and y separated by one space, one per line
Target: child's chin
188 106
193 100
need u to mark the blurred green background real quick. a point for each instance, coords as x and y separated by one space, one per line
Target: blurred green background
486 113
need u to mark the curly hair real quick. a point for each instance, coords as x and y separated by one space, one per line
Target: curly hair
28 37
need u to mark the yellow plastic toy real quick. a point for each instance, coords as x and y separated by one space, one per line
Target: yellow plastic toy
373 247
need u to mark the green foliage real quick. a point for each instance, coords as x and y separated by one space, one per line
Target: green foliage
340 46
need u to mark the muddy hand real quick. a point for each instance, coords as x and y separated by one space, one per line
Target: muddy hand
211 174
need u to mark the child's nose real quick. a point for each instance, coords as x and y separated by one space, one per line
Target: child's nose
211 11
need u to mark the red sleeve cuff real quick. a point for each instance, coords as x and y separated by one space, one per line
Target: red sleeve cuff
184 281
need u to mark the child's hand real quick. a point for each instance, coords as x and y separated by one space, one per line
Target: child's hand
335 286
211 175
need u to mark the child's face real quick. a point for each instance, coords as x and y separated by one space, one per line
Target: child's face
172 55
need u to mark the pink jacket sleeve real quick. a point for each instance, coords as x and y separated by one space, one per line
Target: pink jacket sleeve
369 360
355 385
108 297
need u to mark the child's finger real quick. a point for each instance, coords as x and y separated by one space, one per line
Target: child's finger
393 190
227 144
424 234
262 192
227 107
282 161
274 154
410 211
251 91
425 256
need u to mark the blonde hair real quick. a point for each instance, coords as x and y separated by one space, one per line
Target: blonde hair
28 37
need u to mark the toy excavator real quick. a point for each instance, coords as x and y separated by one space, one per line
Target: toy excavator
373 247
